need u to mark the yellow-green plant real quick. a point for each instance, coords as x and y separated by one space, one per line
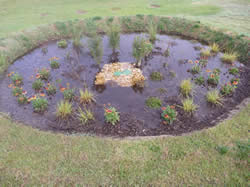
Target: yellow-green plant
64 109
215 48
229 57
152 31
114 36
188 105
205 53
86 96
96 48
213 97
85 116
186 87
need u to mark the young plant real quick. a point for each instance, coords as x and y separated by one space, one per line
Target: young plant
111 115
229 57
199 80
186 87
64 109
51 89
85 116
214 97
156 76
189 106
37 85
86 96
96 48
69 94
234 71
39 104
215 48
168 114
222 149
54 64
195 69
153 102
62 44
17 79
205 53
22 99
227 89
114 36
17 91
235 81
214 77
44 74
152 31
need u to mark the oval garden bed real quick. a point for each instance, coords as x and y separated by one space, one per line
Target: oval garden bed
134 84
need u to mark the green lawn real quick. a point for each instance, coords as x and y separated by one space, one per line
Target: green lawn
31 157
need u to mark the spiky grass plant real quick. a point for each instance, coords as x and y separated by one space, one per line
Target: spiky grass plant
229 57
85 115
214 48
86 96
114 36
188 105
205 53
76 35
152 31
62 44
186 87
64 109
96 48
214 97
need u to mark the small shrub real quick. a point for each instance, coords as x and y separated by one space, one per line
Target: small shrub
168 114
205 53
44 74
114 36
222 149
227 89
17 79
199 80
229 57
156 76
215 48
86 96
51 89
22 99
213 97
39 104
62 44
37 85
186 87
85 116
111 115
17 91
189 106
69 94
234 71
96 48
153 102
64 109
152 31
195 69
213 78
54 64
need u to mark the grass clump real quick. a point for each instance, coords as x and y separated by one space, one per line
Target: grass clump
222 149
62 44
156 76
76 36
229 57
37 85
114 36
186 87
153 102
54 64
205 53
69 94
64 109
17 79
199 80
86 96
234 71
189 106
96 48
215 48
111 115
213 97
40 104
44 74
85 116
152 31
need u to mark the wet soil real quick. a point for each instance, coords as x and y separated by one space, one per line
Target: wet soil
78 69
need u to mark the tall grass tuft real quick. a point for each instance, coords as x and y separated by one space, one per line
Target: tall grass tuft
86 96
152 31
76 35
64 109
188 105
85 116
215 48
96 48
186 87
229 57
114 36
214 97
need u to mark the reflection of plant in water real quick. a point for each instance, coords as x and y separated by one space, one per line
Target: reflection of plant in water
156 76
77 34
62 44
168 114
152 31
114 36
96 48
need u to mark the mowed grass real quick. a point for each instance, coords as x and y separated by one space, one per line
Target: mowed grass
18 15
28 156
